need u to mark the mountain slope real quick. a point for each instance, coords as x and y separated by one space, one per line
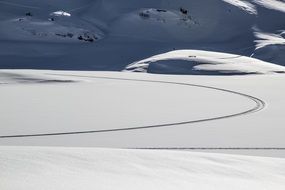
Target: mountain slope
109 35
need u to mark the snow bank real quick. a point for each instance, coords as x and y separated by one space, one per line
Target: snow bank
203 62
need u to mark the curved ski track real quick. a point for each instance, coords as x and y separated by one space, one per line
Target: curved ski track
259 105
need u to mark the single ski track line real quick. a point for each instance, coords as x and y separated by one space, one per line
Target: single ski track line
211 148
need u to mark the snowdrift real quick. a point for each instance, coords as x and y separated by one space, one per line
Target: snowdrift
203 63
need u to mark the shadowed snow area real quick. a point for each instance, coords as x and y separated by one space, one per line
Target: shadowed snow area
109 35
270 47
278 5
16 78
244 5
77 168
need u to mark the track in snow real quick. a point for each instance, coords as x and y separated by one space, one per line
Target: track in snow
212 148
259 105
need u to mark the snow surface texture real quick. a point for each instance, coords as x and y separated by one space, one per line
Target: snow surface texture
109 35
74 168
96 111
148 111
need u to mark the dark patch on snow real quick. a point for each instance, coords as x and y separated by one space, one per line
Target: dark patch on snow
56 81
144 15
183 67
183 11
281 72
18 78
87 37
70 35
29 14
161 10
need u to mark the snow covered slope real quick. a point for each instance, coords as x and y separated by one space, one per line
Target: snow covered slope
109 35
233 104
82 168
44 24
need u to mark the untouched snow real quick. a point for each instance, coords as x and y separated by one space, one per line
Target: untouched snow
203 62
82 168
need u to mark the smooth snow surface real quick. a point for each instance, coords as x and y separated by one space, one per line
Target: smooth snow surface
59 108
63 106
81 168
